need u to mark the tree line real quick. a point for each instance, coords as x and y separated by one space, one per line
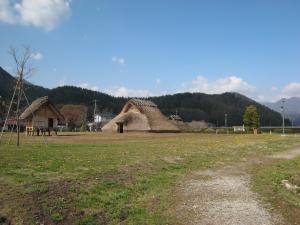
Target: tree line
189 106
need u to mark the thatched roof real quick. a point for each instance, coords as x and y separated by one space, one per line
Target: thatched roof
141 115
36 104
143 103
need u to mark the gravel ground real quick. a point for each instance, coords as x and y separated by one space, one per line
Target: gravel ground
287 155
224 196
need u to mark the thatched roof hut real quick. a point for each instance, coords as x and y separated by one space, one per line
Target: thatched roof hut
140 115
41 114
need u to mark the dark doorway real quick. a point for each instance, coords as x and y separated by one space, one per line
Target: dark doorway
120 128
50 123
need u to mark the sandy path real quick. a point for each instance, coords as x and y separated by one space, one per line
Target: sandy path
224 196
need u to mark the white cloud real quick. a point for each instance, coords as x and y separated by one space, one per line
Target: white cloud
228 84
46 14
291 90
158 81
90 87
274 88
268 98
118 60
7 12
125 92
37 56
61 83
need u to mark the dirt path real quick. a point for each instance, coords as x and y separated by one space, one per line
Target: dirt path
224 196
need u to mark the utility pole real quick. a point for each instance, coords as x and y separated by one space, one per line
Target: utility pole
282 111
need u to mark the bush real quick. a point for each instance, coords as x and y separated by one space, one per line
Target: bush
279 131
228 130
83 127
209 130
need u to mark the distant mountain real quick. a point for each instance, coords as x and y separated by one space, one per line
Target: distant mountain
190 106
291 105
295 119
291 109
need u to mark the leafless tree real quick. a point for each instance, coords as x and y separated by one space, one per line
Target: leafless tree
22 58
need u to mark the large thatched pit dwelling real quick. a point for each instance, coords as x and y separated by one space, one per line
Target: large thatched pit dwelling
140 115
41 116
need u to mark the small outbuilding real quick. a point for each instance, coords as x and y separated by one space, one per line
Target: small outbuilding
239 128
175 118
41 116
140 115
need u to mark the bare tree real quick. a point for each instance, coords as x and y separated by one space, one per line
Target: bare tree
22 58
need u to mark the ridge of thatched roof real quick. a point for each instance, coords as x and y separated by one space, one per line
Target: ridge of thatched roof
141 102
36 104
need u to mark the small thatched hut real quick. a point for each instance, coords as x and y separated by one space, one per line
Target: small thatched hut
140 115
41 116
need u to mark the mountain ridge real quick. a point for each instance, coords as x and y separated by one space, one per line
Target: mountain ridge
291 108
190 106
8 82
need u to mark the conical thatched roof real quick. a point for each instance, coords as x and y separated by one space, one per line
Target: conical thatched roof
37 104
141 115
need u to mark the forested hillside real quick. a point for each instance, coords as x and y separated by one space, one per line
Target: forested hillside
75 95
190 106
212 108
8 82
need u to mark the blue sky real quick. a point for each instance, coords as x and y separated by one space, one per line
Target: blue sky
142 48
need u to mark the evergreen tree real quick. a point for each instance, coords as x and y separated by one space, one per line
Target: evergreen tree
251 118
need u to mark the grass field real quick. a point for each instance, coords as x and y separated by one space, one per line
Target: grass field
268 182
84 178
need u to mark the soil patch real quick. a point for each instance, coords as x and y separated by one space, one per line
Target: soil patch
224 196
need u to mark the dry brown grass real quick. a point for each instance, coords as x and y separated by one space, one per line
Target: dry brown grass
117 178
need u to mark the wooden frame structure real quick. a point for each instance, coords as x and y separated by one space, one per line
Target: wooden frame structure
41 117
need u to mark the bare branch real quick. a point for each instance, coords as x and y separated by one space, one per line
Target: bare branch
14 52
22 59
30 71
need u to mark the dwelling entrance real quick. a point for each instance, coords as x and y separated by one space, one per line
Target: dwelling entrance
50 122
120 127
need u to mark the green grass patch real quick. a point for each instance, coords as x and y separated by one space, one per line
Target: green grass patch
109 181
268 182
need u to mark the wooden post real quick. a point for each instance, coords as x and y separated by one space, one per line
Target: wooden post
18 107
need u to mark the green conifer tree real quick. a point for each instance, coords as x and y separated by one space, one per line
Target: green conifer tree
251 118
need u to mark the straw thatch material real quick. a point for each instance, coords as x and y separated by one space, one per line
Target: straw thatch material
37 104
141 115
